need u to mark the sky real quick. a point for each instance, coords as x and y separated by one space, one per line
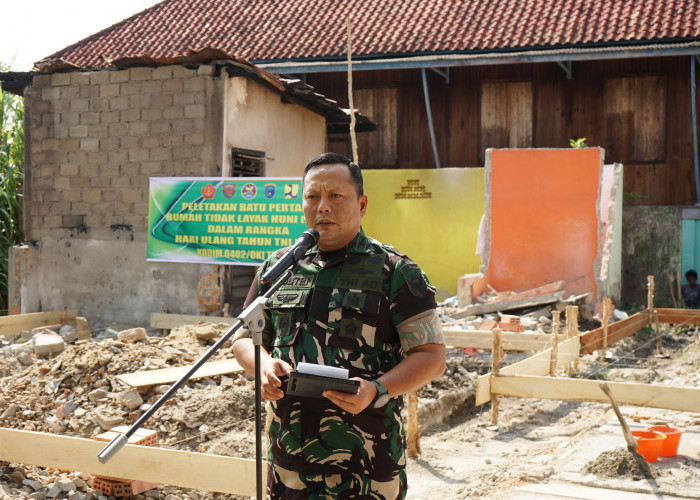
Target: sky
34 29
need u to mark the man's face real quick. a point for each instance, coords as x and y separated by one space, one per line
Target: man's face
331 205
692 280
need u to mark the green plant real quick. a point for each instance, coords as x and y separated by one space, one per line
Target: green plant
578 143
11 175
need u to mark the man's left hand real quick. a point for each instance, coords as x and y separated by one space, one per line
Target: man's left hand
354 403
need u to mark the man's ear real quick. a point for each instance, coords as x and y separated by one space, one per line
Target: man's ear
363 205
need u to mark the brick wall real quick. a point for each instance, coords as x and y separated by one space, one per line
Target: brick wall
96 137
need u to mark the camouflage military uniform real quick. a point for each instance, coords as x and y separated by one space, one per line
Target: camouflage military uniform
342 309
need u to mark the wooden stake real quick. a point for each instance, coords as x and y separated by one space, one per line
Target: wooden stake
496 356
569 331
413 437
351 105
678 284
606 314
64 315
555 343
574 328
658 332
650 295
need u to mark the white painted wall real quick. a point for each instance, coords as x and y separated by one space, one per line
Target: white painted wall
256 118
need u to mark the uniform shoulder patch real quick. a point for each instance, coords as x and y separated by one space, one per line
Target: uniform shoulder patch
392 249
415 279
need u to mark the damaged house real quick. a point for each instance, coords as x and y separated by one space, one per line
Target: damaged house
444 82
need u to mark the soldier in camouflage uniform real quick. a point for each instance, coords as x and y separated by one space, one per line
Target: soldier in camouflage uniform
355 304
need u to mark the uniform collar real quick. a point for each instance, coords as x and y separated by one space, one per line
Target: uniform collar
359 244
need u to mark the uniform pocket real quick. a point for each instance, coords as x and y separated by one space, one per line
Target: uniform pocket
353 320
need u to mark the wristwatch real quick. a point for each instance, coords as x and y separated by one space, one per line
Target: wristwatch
382 396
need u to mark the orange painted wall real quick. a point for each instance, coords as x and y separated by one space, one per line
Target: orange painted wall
544 223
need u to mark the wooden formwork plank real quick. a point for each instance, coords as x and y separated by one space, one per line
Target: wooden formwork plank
143 463
164 321
512 341
679 316
508 305
17 323
567 389
593 340
539 364
168 375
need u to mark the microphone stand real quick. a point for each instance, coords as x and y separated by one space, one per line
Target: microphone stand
252 318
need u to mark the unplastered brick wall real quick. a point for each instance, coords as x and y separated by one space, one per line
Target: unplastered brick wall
96 137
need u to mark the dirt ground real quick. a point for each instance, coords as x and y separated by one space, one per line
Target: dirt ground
537 444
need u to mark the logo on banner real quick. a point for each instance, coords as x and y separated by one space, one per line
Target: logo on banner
249 191
229 190
291 191
208 192
269 190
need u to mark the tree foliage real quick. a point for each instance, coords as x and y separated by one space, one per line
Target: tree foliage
11 175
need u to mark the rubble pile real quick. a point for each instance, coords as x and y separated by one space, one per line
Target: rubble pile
76 392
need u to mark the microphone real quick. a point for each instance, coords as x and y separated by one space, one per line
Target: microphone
307 239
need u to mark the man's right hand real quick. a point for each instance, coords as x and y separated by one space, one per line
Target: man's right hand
271 372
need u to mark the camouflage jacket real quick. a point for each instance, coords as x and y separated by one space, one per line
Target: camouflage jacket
341 309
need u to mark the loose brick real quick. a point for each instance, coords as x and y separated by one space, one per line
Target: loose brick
41 81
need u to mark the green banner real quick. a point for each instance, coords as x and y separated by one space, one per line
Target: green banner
236 220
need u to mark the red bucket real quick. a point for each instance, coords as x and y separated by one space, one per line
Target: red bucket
669 447
649 444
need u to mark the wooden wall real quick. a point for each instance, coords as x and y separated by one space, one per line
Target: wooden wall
638 110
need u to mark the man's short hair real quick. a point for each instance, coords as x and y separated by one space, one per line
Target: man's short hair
333 159
691 274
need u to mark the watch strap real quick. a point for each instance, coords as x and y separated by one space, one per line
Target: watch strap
381 390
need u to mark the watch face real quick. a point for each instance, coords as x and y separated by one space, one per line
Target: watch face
381 400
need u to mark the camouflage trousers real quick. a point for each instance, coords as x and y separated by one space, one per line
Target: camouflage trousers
284 484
